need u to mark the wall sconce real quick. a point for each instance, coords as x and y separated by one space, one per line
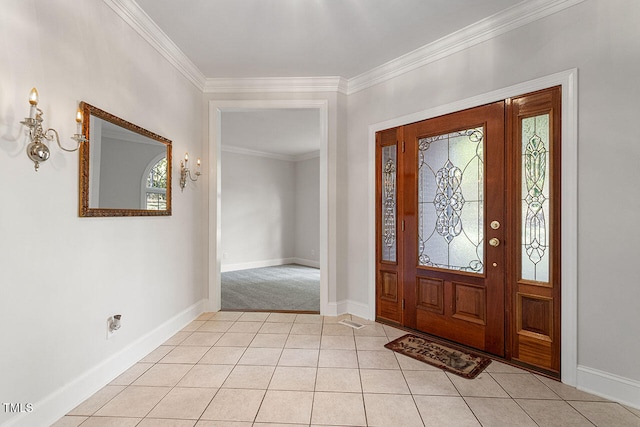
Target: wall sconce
37 150
186 172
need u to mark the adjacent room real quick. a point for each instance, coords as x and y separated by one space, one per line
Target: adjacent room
463 172
271 210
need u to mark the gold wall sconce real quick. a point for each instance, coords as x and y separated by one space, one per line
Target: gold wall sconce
37 150
186 172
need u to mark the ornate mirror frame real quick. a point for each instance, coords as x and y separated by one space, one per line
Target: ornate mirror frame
85 162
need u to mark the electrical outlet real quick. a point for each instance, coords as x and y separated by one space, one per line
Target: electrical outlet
113 324
109 331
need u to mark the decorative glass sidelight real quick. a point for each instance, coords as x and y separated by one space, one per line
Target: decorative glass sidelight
389 203
535 198
451 201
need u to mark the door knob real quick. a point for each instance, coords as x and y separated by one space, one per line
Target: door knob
494 241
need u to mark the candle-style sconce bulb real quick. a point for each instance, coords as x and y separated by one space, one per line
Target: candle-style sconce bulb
185 172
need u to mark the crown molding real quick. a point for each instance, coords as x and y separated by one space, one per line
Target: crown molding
276 84
509 19
138 19
502 22
257 153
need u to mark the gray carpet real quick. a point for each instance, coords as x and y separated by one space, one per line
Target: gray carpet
283 287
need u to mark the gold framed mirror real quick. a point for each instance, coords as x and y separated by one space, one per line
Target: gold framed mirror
125 170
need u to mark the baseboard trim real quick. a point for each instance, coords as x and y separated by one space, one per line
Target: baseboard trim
348 307
256 264
306 262
63 400
610 386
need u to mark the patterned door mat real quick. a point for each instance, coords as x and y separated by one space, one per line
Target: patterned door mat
462 363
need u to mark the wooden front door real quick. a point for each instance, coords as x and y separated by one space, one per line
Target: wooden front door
464 250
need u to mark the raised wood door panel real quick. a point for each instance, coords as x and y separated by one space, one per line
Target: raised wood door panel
454 188
534 208
389 280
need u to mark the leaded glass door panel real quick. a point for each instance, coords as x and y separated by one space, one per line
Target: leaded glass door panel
454 206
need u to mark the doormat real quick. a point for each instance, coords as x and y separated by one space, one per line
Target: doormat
459 362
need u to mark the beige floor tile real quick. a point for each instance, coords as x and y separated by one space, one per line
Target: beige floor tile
97 400
371 330
193 326
339 342
386 410
553 413
338 359
69 421
134 401
215 326
343 409
524 386
177 338
336 329
270 340
206 316
371 343
299 357
569 393
286 407
260 356
308 318
204 339
256 377
159 422
498 412
375 359
281 317
204 423
635 411
293 378
275 328
303 341
131 374
393 333
336 319
157 354
111 422
185 354
434 383
163 375
227 315
607 414
235 339
445 411
234 405
245 327
410 364
212 376
306 329
481 386
222 356
253 317
183 403
498 367
338 380
383 381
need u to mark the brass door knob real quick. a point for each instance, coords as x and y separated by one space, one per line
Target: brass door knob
494 241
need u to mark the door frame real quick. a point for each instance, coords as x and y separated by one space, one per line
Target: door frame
214 216
568 80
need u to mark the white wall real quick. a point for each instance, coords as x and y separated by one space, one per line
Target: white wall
62 276
602 39
307 208
270 211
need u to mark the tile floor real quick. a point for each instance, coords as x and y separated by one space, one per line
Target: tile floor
278 369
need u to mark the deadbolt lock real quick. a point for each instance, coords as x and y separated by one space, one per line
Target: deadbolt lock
495 225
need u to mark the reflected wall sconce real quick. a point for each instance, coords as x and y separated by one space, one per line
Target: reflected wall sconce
186 172
37 150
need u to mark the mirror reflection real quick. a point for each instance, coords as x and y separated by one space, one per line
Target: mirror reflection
125 170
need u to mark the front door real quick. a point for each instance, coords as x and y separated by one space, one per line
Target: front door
468 238
454 210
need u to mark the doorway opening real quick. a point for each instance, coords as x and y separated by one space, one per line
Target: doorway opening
268 199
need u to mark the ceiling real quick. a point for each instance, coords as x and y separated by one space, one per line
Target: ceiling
308 38
302 38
